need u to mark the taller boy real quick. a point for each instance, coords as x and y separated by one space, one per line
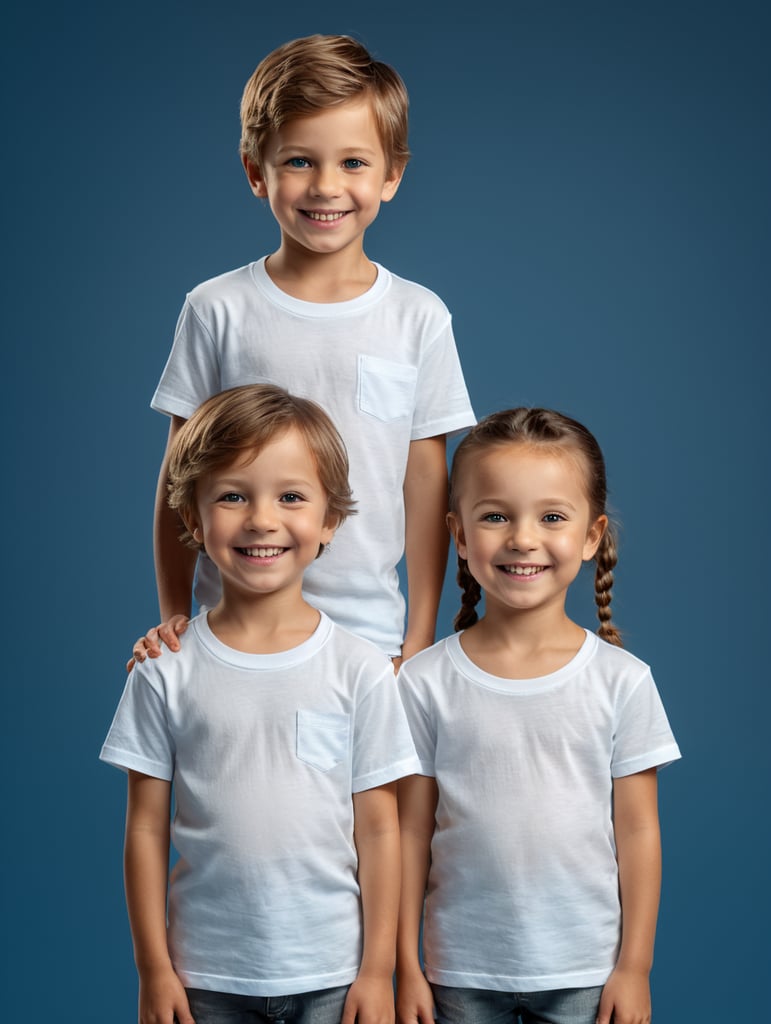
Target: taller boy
324 140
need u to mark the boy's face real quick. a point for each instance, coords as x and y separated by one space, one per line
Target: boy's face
262 520
325 177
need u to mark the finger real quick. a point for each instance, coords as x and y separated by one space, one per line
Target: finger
130 664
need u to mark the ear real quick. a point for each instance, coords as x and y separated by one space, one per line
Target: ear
255 178
455 526
392 182
593 537
192 524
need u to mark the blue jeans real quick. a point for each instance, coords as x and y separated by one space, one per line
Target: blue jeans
322 1007
483 1006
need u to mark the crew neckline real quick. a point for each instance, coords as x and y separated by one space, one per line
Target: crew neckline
262 662
524 687
318 310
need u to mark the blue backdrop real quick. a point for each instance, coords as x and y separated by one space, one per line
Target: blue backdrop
590 195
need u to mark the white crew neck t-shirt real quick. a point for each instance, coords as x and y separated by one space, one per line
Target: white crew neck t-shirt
523 886
265 752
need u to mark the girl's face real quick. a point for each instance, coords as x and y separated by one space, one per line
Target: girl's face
262 521
524 525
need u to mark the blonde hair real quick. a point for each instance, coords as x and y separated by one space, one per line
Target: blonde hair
314 73
239 422
560 433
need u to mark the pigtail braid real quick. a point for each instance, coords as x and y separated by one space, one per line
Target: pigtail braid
472 594
606 559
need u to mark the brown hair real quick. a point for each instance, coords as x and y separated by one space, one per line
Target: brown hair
548 429
314 73
236 423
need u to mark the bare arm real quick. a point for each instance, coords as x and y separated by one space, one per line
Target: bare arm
162 997
626 996
417 807
174 563
174 568
376 832
426 541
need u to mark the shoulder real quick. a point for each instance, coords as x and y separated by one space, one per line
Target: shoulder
403 290
432 662
616 658
230 283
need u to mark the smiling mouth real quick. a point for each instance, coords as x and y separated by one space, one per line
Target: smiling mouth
261 552
313 215
523 570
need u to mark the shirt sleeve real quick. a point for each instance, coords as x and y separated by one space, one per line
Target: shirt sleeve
192 371
421 725
643 738
139 738
442 404
383 750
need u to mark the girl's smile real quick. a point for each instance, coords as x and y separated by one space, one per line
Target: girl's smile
524 525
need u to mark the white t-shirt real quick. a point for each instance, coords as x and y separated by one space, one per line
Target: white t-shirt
383 365
264 752
523 886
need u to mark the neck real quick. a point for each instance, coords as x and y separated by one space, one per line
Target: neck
263 623
522 644
321 277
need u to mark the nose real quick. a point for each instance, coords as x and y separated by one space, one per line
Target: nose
262 517
521 536
326 181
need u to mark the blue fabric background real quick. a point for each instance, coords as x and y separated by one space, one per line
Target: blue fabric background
589 193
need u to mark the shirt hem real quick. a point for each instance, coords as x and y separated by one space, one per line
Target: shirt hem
518 982
275 987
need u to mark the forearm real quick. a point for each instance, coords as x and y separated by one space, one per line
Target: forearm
417 804
146 858
426 542
638 845
377 846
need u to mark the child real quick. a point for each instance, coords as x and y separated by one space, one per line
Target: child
284 899
534 818
324 140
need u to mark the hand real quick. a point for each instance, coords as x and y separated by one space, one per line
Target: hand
149 645
162 998
626 998
397 663
414 999
370 1000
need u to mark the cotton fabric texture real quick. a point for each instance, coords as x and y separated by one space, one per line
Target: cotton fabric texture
523 886
383 365
264 752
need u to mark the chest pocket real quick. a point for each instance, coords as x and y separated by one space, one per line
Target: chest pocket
322 738
386 389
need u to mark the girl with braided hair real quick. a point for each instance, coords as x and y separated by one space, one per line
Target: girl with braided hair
533 825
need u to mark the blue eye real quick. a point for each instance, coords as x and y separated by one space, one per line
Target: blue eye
353 164
494 517
298 161
553 517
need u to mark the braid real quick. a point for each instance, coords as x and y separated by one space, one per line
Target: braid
606 559
472 594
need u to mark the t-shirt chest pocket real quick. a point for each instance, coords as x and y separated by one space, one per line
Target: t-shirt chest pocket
386 389
322 738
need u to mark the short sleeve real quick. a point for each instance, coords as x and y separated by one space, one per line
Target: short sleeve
421 726
139 738
383 750
642 738
192 372
442 404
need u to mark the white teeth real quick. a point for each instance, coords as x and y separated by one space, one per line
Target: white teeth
524 570
262 552
324 216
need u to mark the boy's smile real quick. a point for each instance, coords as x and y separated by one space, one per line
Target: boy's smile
263 519
325 176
